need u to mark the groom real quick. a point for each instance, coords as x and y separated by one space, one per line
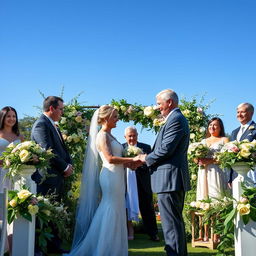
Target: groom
169 169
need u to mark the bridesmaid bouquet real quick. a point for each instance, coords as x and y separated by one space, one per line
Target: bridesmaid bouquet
25 154
237 151
132 151
198 150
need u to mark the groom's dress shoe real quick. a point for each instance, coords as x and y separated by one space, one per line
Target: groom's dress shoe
155 238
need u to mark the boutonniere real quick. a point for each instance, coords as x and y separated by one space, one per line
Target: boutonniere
159 122
251 127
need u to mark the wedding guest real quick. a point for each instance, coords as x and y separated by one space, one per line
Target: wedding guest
169 167
139 193
211 179
246 130
9 133
101 224
45 133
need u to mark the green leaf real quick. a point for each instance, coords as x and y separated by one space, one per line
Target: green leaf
246 218
230 216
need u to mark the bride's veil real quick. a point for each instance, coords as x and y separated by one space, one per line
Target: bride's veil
90 188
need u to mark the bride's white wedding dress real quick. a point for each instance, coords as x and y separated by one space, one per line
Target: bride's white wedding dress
107 234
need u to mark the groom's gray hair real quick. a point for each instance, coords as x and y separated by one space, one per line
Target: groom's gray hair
133 128
168 94
248 106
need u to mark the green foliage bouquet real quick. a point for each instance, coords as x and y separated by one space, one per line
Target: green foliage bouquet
235 151
27 153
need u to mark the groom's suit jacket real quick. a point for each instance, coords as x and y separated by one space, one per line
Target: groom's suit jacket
249 134
45 134
168 160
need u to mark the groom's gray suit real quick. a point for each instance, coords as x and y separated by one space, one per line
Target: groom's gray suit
170 179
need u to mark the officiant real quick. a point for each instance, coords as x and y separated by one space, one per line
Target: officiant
139 197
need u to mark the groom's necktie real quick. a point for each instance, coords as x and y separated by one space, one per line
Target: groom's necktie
240 133
59 133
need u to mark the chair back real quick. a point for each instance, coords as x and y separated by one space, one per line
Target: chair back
3 220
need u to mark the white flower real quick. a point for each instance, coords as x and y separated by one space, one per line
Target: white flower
148 111
123 108
13 203
243 209
132 151
79 119
199 110
24 155
23 194
202 129
186 112
193 204
192 136
33 209
193 176
63 120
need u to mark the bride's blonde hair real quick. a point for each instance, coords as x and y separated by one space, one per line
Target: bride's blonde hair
105 111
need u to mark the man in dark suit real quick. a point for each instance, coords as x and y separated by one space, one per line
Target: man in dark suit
247 130
45 133
145 196
170 175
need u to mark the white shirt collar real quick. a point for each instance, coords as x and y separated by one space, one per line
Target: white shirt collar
246 125
170 113
53 123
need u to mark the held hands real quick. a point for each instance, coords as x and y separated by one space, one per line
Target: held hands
69 171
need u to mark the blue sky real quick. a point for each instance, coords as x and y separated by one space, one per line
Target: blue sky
128 49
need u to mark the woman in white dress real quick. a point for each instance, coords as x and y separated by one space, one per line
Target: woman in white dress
101 228
9 133
212 181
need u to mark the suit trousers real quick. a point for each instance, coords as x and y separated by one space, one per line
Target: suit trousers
171 206
147 210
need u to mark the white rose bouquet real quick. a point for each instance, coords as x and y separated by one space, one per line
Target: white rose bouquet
198 150
27 153
237 151
132 151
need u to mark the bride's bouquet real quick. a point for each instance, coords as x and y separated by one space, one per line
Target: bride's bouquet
132 151
237 151
25 154
198 150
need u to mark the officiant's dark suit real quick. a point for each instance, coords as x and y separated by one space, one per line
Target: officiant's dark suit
170 175
48 136
244 116
145 192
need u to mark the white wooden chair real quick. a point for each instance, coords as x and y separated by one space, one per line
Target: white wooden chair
3 220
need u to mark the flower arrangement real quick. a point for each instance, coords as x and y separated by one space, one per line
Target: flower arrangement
148 117
132 151
26 204
27 153
235 151
198 150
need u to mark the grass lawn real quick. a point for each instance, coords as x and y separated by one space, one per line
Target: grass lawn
142 246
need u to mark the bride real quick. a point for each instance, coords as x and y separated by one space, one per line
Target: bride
101 221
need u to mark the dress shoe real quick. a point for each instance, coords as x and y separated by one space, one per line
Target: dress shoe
155 238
